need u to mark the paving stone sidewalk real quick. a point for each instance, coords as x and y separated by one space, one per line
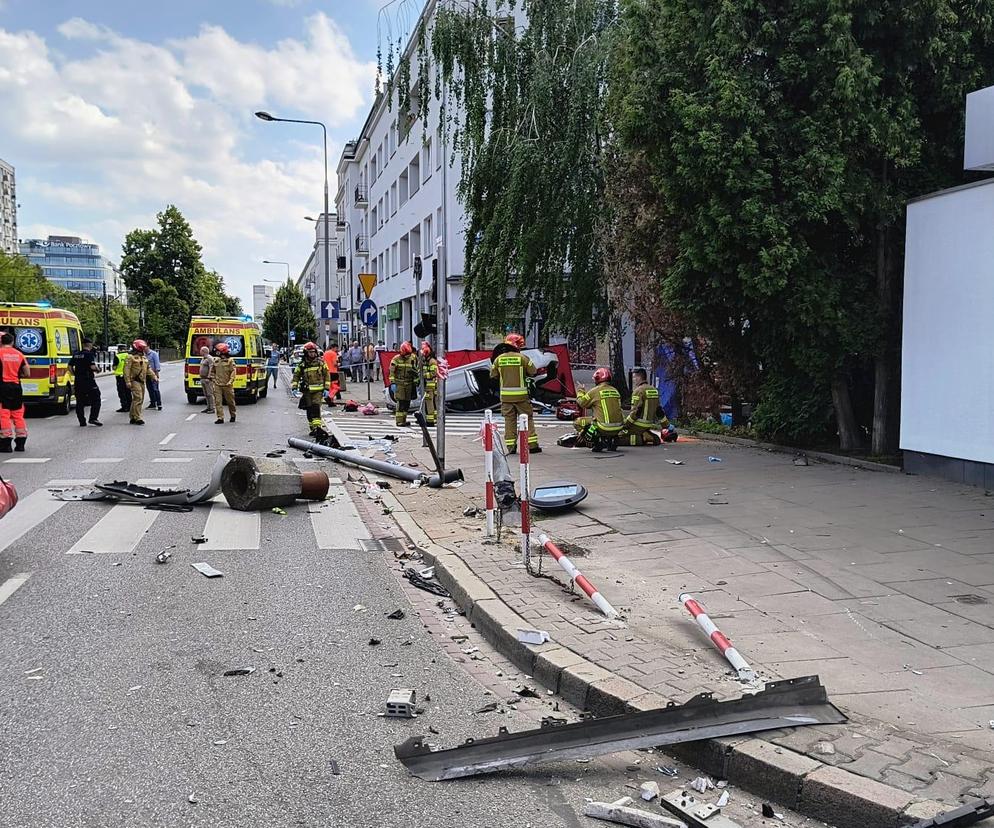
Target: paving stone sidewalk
882 584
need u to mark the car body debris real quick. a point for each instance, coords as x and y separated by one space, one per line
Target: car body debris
239 671
207 570
787 703
426 584
624 815
968 814
396 615
530 636
695 812
649 791
400 704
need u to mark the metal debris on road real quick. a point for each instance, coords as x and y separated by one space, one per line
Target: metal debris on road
675 462
649 791
396 615
702 784
400 704
787 703
526 692
623 815
207 570
666 770
972 812
240 671
334 767
374 642
198 539
713 459
694 812
164 555
425 584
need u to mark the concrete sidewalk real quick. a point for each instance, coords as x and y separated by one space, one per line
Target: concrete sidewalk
880 583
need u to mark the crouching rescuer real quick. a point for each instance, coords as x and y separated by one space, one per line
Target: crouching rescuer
645 414
312 378
601 428
513 369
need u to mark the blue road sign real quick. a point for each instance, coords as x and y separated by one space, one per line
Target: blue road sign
343 328
368 314
330 310
293 335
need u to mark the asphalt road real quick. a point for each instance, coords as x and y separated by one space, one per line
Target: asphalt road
114 710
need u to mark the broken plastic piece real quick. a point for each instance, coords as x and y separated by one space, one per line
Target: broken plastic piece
400 704
649 791
198 539
207 570
240 671
530 636
695 812
623 815
702 784
396 615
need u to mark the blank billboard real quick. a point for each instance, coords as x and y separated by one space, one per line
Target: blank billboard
947 396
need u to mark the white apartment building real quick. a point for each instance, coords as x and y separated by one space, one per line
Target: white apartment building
8 210
312 279
389 205
262 298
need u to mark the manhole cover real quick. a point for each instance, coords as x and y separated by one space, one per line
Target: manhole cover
970 599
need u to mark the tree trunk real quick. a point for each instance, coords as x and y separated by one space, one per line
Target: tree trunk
849 439
883 441
616 353
738 419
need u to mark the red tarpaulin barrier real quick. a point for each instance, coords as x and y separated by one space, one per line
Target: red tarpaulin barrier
564 387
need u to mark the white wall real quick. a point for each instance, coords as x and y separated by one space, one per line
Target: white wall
947 398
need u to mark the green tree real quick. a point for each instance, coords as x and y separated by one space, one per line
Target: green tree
122 321
166 315
20 281
781 142
289 303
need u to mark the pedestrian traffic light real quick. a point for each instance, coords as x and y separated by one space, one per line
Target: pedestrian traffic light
428 326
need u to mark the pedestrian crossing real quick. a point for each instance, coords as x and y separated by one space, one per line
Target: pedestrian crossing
120 528
359 426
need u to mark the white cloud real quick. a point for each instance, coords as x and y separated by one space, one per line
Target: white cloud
130 126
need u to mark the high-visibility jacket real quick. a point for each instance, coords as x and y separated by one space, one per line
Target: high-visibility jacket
645 404
119 361
512 368
136 368
429 373
313 378
223 371
404 374
604 403
331 360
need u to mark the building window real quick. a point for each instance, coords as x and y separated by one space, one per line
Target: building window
405 252
438 155
395 254
429 239
393 198
426 159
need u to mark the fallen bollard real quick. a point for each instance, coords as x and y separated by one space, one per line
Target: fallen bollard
718 638
355 459
254 484
578 578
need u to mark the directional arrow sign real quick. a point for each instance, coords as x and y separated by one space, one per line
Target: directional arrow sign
368 314
368 282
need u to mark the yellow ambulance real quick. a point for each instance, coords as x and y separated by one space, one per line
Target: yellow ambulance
47 337
244 340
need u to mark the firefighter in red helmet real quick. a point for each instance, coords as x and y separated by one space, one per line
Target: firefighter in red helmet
135 375
222 374
403 381
602 426
313 379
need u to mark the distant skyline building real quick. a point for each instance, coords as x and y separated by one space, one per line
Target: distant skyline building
262 298
8 209
75 264
311 279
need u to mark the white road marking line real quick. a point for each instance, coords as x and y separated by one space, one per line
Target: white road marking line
167 439
119 531
26 515
26 460
11 585
173 460
229 529
103 459
337 524
191 417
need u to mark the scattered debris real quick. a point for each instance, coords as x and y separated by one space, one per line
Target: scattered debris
801 459
623 815
198 539
383 484
649 791
374 642
526 692
471 511
722 800
787 703
825 748
428 573
702 784
192 799
396 615
207 570
698 814
32 672
768 811
428 585
278 511
675 462
530 636
169 507
717 501
358 608
713 459
400 704
487 708
667 770
164 555
220 741
334 767
240 671
976 811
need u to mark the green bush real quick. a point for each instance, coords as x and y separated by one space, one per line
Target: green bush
793 410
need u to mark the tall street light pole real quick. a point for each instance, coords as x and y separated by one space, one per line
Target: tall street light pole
265 116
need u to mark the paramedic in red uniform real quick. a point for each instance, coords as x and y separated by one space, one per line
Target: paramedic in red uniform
12 426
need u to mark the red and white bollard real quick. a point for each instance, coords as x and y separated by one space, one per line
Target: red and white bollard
488 465
523 459
746 673
577 577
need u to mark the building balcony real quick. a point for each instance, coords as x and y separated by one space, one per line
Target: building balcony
361 197
362 245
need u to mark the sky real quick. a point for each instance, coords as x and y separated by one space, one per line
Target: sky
112 109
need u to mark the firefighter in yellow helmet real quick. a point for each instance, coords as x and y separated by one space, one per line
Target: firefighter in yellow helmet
312 378
602 427
643 419
403 381
429 373
513 368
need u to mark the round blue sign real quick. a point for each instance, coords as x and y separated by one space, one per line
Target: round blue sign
234 345
29 341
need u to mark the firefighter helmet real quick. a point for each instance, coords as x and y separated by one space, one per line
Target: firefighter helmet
515 340
406 349
140 345
602 375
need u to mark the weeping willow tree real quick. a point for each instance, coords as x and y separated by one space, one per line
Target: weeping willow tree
521 84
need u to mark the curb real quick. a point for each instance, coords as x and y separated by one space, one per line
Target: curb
823 456
831 794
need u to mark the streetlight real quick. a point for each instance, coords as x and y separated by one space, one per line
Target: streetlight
265 116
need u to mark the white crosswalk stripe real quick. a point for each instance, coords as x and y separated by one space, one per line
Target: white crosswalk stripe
336 522
228 529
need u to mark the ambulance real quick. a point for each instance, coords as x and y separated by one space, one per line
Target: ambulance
47 337
244 340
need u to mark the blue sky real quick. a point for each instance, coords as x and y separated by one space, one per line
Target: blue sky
113 109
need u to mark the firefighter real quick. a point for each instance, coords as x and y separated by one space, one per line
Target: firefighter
643 419
136 375
223 373
403 379
512 368
604 423
312 378
429 373
123 391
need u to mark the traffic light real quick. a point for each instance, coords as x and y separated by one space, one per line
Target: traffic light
428 326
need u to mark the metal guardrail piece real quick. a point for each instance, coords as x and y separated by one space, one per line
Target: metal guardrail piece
788 703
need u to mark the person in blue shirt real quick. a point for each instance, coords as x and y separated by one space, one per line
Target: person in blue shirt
273 367
152 381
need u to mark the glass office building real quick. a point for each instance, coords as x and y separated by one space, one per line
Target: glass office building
75 265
